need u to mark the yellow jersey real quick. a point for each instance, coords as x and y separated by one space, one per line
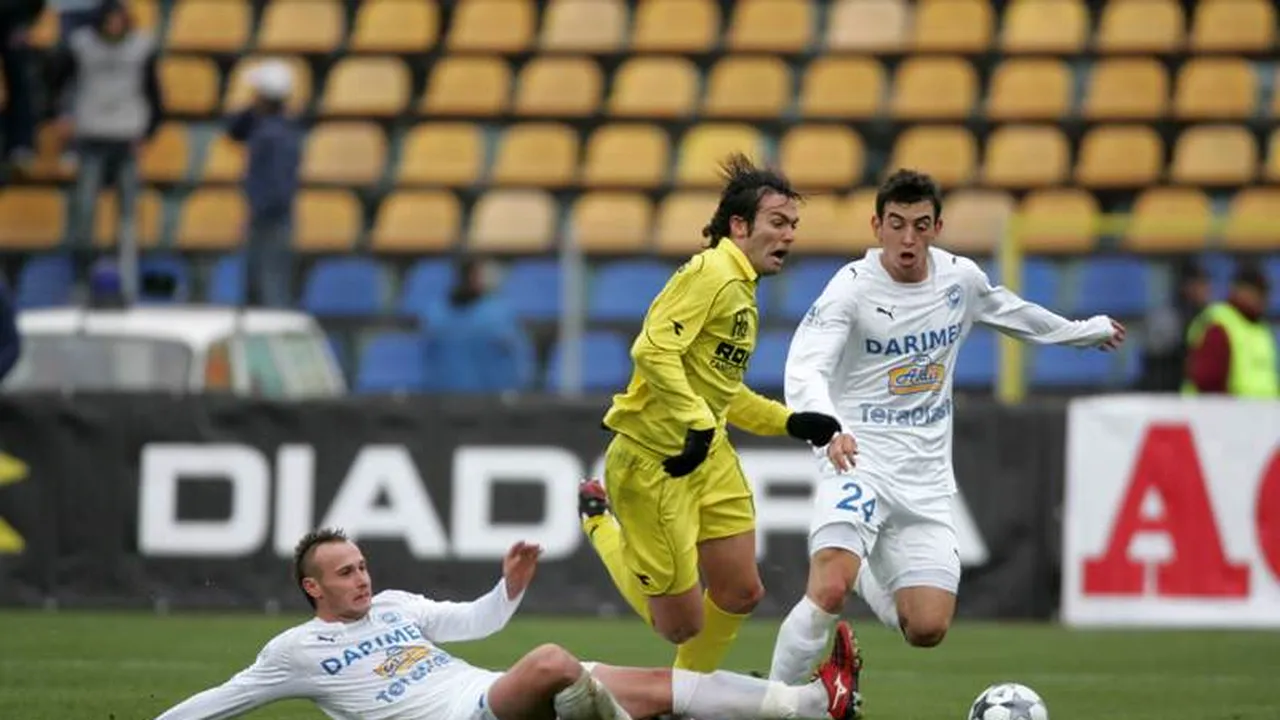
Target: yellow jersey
691 354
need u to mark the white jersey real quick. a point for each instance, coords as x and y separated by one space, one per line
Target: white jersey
386 666
880 356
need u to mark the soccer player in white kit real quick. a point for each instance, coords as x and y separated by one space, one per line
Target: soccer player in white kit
377 657
877 350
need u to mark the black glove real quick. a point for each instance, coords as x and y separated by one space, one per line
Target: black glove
814 427
696 445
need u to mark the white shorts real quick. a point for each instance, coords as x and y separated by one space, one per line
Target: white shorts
473 698
904 541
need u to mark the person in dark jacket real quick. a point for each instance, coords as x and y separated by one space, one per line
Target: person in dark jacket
1164 351
10 340
17 58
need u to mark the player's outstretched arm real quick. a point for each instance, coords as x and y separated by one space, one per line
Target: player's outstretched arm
444 621
817 344
761 416
999 308
268 680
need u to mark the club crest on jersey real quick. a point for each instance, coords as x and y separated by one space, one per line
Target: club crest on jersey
954 297
741 324
391 617
918 375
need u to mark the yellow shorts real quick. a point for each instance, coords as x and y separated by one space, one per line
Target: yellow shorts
664 518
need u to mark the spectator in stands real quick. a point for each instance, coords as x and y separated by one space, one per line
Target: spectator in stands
10 340
115 108
16 55
1165 348
473 341
1232 349
72 15
273 140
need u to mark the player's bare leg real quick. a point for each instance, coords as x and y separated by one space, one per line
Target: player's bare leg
549 683
926 614
734 589
807 628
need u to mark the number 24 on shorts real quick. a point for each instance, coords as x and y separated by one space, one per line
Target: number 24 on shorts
853 501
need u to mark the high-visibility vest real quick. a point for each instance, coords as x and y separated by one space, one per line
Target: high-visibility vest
1253 372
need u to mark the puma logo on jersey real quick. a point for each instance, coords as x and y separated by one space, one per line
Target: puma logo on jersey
882 311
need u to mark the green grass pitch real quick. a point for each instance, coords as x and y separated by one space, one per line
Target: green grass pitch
83 666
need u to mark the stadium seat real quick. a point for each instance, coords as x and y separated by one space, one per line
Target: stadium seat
189 84
344 153
396 26
1057 221
327 221
608 222
859 208
48 165
754 87
416 221
504 26
542 154
301 26
681 217
1271 171
591 26
949 151
1253 221
148 216
822 228
392 362
239 94
962 26
1233 26
169 265
1030 89
31 218
1215 88
44 281
532 289
776 26
227 280
842 87
211 218
1026 156
223 160
675 26
1041 282
426 284
605 363
705 146
1271 266
622 290
822 156
165 158
803 284
1214 155
1119 156
513 221
208 26
654 87
1115 286
1169 219
1062 366
1126 89
1141 26
975 221
476 85
344 286
867 26
1044 26
448 153
558 87
767 366
626 155
366 86
978 360
933 88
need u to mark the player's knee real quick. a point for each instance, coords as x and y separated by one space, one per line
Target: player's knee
740 599
924 633
680 631
830 582
554 666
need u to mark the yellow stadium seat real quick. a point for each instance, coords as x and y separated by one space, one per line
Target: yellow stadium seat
748 87
559 87
189 84
363 86
166 156
821 231
933 88
782 26
626 155
1119 156
608 222
31 217
1253 220
1057 220
416 221
467 86
681 217
212 219
953 26
949 153
675 26
224 160
329 221
301 26
492 26
396 26
858 209
975 221
822 156
1233 26
593 26
1214 155
867 26
654 87
442 154
1126 89
239 94
1141 26
1030 89
346 152
1045 26
1026 156
148 215
44 31
842 87
1215 88
541 154
704 147
513 221
209 26
1272 170
1165 219
50 144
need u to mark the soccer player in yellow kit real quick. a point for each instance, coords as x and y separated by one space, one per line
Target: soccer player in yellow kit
677 497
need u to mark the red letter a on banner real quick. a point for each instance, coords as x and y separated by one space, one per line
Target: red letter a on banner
1167 464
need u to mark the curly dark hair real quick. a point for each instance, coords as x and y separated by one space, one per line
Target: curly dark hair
744 185
905 187
304 551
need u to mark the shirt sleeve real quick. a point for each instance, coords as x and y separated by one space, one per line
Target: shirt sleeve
817 345
1210 363
757 414
999 308
269 679
674 320
445 621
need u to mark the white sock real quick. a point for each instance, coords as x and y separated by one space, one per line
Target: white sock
729 696
587 699
881 601
802 640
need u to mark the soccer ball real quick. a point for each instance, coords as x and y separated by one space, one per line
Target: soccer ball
1008 701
